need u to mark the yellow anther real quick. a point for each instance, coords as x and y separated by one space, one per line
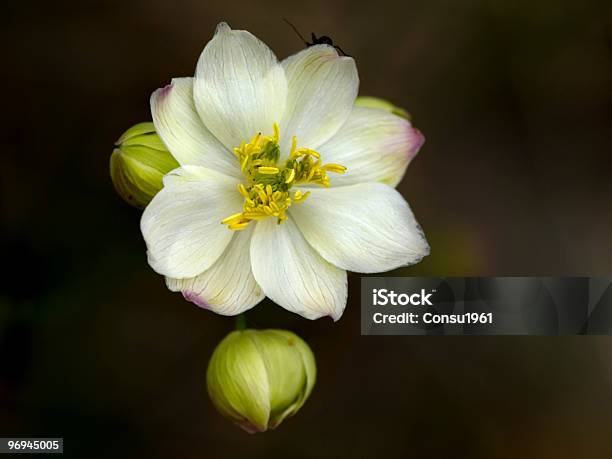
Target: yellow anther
255 140
232 219
298 196
242 190
238 226
337 168
267 170
253 215
262 194
266 190
293 146
291 176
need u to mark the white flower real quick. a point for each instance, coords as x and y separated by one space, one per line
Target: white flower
284 184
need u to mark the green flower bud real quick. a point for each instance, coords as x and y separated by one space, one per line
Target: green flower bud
257 378
375 102
139 163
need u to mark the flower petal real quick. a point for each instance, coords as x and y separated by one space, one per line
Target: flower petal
293 274
240 88
228 286
182 224
180 127
366 228
322 88
374 145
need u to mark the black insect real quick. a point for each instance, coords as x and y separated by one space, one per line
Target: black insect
322 40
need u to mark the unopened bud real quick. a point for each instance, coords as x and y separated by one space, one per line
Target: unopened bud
258 378
375 102
138 163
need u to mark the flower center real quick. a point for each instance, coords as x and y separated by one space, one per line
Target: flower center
268 184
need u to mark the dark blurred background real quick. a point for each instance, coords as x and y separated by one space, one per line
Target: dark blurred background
515 100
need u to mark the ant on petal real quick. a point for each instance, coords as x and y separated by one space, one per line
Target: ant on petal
322 40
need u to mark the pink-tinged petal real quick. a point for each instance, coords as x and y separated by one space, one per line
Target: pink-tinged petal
228 286
374 145
193 296
179 126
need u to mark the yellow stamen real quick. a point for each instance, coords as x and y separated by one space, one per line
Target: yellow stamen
293 146
232 218
337 168
267 170
242 190
291 176
238 226
266 190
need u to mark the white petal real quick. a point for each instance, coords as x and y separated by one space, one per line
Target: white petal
322 88
293 274
228 286
179 126
240 88
366 228
182 224
374 145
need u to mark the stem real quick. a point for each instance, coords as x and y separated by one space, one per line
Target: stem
241 322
